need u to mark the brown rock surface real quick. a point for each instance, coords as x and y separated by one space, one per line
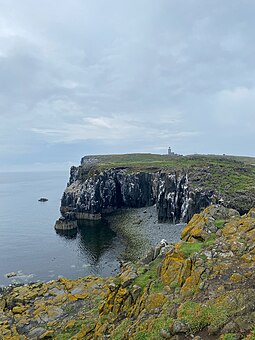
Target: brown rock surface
202 287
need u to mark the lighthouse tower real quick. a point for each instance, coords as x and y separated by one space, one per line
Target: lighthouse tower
170 153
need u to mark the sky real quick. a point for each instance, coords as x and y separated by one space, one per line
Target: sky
80 77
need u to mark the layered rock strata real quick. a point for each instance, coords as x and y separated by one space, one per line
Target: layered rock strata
88 196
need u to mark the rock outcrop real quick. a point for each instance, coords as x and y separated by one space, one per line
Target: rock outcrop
200 288
66 223
179 187
117 188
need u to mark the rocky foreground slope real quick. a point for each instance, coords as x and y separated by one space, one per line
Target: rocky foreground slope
178 186
200 288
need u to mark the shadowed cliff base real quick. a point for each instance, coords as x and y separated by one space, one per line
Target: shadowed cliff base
135 230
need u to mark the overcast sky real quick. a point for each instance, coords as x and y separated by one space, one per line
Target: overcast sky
84 77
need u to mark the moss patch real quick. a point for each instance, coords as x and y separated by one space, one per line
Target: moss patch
229 336
148 276
121 329
219 223
197 316
188 248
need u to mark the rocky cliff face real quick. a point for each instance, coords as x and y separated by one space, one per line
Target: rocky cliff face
111 189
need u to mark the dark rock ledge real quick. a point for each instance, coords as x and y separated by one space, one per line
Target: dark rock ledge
112 189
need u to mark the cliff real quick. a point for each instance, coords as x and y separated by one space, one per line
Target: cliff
178 186
117 188
200 288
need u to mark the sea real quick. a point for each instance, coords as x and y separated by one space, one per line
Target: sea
29 245
31 250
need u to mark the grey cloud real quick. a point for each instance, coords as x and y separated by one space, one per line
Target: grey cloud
109 75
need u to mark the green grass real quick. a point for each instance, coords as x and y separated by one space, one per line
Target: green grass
230 336
221 173
161 323
252 335
219 223
150 275
210 241
198 316
157 286
188 248
142 336
164 161
203 257
120 330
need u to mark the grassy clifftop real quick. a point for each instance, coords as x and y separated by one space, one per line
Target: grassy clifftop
231 178
147 161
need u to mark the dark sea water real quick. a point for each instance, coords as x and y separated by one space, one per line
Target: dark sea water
29 244
30 247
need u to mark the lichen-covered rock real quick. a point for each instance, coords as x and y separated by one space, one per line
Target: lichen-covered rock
202 226
42 310
202 288
206 285
251 213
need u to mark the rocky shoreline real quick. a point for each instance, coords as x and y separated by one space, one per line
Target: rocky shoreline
140 229
199 288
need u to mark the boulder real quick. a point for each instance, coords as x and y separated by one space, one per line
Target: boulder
43 199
